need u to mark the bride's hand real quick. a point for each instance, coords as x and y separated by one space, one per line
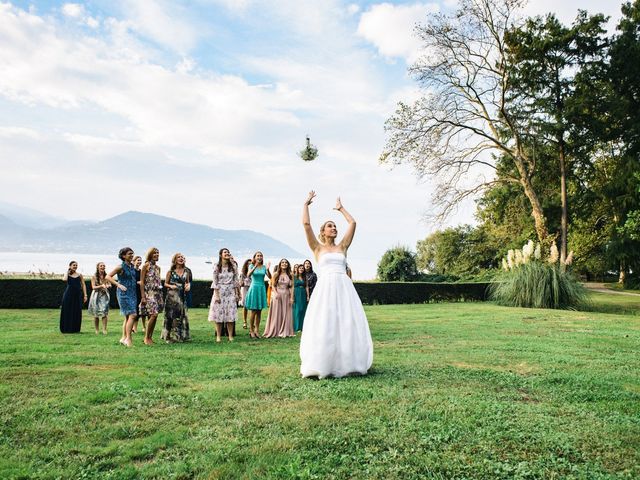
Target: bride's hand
310 198
338 204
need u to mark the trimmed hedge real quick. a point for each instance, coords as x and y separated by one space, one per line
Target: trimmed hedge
37 293
387 293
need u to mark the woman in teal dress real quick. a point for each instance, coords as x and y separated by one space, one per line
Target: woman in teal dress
256 299
300 297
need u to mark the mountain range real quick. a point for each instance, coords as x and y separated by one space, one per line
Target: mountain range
137 230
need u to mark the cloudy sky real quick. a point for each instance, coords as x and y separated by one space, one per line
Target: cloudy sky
196 109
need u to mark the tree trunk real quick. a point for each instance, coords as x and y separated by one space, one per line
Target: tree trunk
563 201
623 272
536 210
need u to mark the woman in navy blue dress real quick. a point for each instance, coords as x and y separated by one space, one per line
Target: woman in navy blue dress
127 292
74 296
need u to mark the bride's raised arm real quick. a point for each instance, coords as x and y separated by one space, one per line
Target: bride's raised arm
351 228
306 223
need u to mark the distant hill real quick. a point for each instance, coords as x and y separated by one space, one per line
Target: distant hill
139 231
28 217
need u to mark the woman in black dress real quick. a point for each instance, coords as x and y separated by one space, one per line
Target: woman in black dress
310 276
74 296
137 263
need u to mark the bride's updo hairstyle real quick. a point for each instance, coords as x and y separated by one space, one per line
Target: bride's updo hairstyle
321 235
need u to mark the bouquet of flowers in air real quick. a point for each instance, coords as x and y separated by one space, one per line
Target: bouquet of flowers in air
309 153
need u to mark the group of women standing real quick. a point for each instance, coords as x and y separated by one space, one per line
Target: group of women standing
289 295
139 289
139 293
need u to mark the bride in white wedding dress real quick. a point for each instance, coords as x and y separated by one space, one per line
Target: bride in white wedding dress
335 338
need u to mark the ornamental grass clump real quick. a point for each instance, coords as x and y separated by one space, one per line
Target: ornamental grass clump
530 281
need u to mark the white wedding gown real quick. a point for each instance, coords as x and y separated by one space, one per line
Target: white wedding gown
335 337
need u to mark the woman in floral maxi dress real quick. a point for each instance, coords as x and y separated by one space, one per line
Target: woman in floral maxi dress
176 321
226 291
151 303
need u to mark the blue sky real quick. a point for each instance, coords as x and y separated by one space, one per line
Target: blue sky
196 110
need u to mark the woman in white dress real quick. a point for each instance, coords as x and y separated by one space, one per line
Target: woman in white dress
335 338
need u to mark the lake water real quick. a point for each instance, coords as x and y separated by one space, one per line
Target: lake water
36 262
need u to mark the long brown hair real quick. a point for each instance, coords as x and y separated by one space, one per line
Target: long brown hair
276 275
174 259
150 253
100 278
245 267
300 276
230 264
254 257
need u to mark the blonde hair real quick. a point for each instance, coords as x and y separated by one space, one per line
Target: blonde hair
174 259
150 253
321 236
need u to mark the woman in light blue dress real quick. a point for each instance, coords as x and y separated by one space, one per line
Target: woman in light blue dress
127 292
256 299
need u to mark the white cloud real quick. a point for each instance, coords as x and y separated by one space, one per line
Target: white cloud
121 116
161 21
92 22
77 12
13 132
236 6
353 8
73 10
567 11
185 65
390 28
165 107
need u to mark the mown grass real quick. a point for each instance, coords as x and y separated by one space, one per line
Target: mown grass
614 303
456 391
616 286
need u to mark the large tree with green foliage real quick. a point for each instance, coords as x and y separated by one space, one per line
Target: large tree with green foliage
398 264
552 111
609 100
460 251
624 75
545 60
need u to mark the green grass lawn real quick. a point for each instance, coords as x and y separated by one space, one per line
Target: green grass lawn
618 287
460 390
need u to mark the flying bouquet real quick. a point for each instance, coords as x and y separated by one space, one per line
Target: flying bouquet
309 153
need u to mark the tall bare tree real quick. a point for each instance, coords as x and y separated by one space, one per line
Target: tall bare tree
464 121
